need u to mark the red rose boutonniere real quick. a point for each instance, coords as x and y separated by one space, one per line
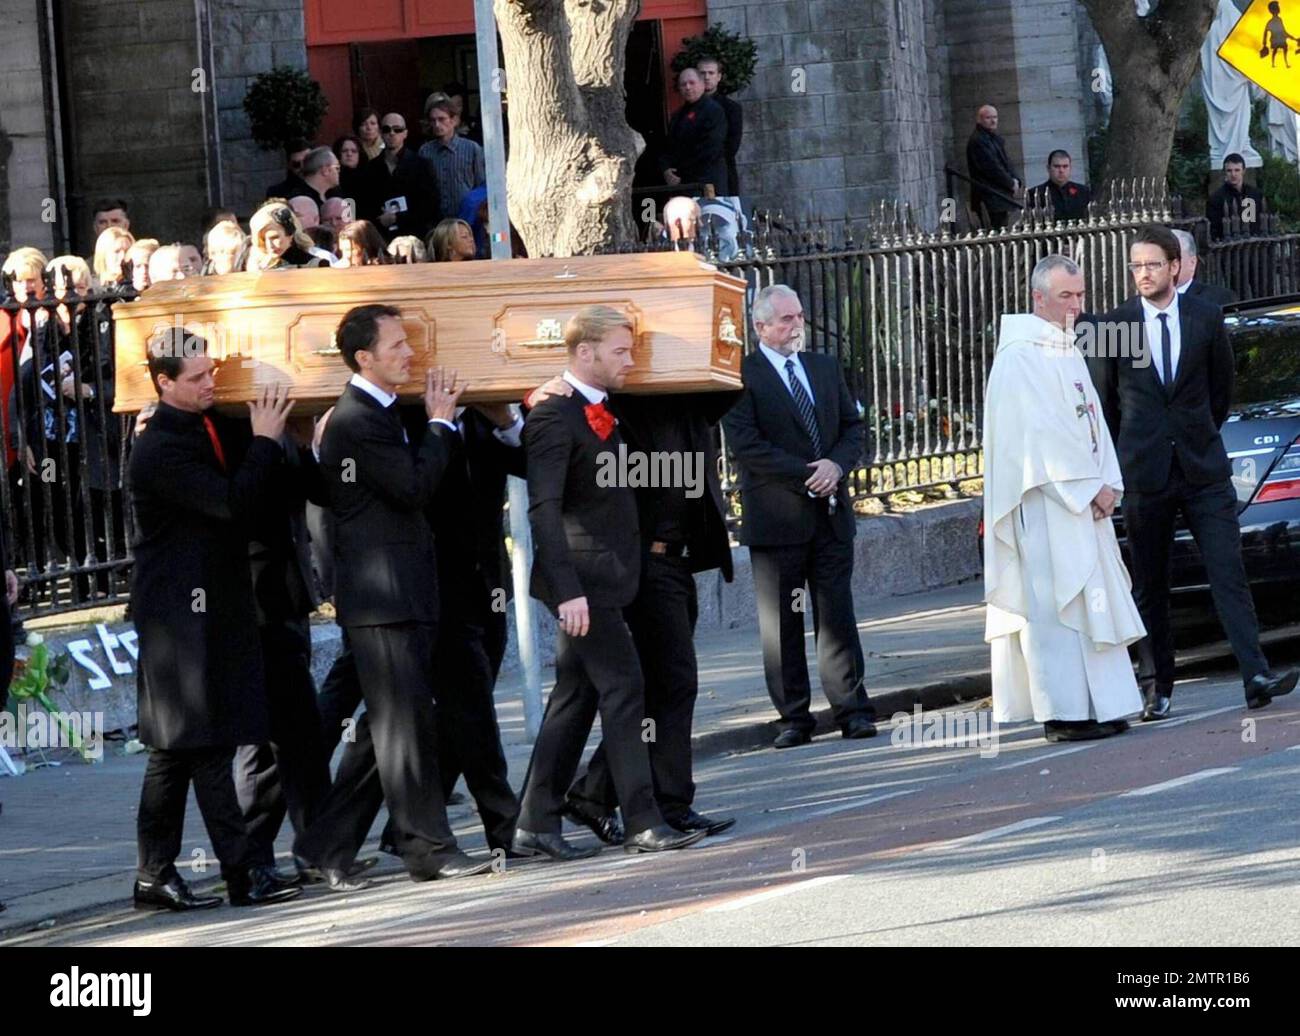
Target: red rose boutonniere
690 116
1074 190
599 420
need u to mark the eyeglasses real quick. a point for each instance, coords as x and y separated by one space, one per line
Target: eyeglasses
393 129
1153 265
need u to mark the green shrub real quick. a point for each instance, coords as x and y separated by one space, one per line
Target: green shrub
734 53
284 104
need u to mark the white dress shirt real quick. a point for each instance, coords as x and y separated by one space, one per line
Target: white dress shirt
778 361
592 395
512 436
1151 322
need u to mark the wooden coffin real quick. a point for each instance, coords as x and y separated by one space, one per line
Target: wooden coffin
498 324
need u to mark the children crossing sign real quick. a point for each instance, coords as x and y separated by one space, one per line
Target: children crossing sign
1264 46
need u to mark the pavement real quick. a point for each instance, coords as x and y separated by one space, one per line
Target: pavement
67 832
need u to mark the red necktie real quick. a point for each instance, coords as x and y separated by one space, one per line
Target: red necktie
216 443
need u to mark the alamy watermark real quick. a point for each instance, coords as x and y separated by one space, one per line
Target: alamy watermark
35 728
922 729
662 469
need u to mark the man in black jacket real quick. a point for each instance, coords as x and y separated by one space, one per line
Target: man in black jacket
386 598
1165 403
710 70
399 190
586 567
1188 285
1067 199
996 181
200 676
695 152
683 531
1235 199
796 434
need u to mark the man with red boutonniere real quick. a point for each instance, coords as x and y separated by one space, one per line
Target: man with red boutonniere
1067 199
586 568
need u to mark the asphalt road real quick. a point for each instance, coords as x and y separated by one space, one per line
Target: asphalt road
1185 832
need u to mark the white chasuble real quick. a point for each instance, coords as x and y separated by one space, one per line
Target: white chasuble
1060 611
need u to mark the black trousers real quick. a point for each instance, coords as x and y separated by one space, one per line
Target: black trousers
160 820
825 564
1211 514
339 697
597 672
393 759
291 773
662 620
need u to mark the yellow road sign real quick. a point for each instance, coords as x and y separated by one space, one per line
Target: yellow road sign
1264 46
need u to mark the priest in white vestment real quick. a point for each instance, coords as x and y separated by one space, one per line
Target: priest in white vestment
1060 606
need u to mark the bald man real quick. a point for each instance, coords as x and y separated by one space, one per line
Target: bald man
996 182
400 191
337 213
307 211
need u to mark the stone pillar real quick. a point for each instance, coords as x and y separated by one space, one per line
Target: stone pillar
27 212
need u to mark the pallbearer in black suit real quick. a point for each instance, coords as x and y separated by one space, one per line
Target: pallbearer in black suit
683 531
587 567
200 680
386 597
1188 284
1165 403
795 434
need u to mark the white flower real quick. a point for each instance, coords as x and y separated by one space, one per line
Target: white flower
34 639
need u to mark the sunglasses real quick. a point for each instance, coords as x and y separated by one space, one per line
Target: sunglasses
393 129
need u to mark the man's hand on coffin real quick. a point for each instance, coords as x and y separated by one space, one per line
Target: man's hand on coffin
142 418
1103 504
442 395
575 619
826 475
557 386
270 410
498 413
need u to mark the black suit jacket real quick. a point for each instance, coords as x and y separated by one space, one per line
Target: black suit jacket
201 682
1151 424
988 165
735 130
1212 293
586 540
412 179
771 445
641 422
385 571
697 144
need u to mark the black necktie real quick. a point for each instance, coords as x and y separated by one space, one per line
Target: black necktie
1167 350
806 409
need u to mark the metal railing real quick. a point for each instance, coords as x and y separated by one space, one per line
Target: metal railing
911 315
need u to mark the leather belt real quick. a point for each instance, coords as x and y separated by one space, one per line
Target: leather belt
672 550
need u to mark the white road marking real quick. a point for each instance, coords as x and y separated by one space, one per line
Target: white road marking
780 890
1178 782
997 832
1196 715
1048 755
855 803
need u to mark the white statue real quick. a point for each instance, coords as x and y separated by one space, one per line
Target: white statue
1227 94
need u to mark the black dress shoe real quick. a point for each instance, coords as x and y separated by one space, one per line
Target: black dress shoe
457 865
605 826
534 843
791 738
259 888
173 894
859 728
660 838
338 880
1155 704
1115 726
692 821
1264 687
1075 730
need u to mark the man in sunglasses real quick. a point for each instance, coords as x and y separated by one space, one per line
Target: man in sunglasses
399 191
293 184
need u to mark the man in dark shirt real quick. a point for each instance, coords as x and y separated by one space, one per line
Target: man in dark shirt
996 182
1236 199
697 138
1069 200
295 152
710 70
400 190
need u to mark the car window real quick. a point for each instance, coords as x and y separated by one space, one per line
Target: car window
1267 351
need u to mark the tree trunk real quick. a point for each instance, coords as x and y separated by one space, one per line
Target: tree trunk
572 152
1152 61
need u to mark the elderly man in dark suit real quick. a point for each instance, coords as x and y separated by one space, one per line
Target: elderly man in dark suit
1188 285
996 181
386 597
696 151
587 567
796 434
200 680
1165 403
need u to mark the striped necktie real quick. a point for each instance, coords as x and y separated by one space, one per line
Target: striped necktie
805 404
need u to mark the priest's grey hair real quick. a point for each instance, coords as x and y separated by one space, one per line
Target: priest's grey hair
1187 243
762 310
1041 279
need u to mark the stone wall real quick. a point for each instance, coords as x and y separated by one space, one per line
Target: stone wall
24 160
250 37
840 114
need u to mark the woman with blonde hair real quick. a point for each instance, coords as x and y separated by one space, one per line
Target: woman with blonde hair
279 242
111 248
360 244
407 249
225 248
452 241
138 256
